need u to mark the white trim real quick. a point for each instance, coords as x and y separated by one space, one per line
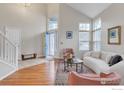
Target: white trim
7 39
9 59
9 55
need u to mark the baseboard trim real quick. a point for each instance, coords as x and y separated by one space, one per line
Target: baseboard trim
8 74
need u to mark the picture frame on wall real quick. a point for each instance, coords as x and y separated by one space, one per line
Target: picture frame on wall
69 34
114 35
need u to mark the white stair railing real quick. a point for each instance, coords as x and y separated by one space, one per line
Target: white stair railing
8 51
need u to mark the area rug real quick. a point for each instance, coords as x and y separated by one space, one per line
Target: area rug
62 76
31 62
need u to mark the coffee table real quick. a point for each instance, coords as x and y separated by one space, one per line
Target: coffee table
76 62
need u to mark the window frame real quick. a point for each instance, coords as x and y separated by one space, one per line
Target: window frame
88 31
95 30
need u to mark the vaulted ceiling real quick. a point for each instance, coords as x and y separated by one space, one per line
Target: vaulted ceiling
90 9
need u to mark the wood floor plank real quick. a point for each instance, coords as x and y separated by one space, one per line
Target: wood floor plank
42 74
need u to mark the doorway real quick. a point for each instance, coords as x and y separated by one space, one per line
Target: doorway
50 44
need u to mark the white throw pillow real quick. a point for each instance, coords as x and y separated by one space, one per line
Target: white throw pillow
95 54
87 54
106 57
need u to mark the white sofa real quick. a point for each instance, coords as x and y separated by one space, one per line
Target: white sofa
98 62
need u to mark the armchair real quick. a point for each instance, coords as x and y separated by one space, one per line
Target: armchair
93 79
67 51
68 56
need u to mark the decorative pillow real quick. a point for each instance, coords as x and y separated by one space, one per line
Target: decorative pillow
95 54
110 61
103 56
106 57
115 59
87 54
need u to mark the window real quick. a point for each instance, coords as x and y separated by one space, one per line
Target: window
84 36
52 25
85 27
97 35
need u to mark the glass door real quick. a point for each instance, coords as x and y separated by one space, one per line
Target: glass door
51 37
50 44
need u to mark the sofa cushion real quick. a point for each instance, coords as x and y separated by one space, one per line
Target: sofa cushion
95 54
106 56
97 65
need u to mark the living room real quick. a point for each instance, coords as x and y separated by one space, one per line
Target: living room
90 33
94 38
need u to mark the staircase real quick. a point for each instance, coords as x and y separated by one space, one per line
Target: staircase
8 56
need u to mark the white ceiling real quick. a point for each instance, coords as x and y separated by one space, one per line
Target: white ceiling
90 9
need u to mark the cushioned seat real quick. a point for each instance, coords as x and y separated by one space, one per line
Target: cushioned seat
90 79
97 65
119 68
98 62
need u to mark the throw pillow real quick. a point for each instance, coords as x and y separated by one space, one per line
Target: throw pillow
95 54
111 59
103 56
106 57
115 59
87 54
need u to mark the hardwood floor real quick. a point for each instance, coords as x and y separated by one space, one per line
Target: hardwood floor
42 74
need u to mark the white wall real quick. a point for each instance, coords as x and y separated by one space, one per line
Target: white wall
29 20
113 16
53 10
69 20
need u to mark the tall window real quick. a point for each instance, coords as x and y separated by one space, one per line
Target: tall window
84 36
97 35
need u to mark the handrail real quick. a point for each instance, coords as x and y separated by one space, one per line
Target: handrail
7 39
8 51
